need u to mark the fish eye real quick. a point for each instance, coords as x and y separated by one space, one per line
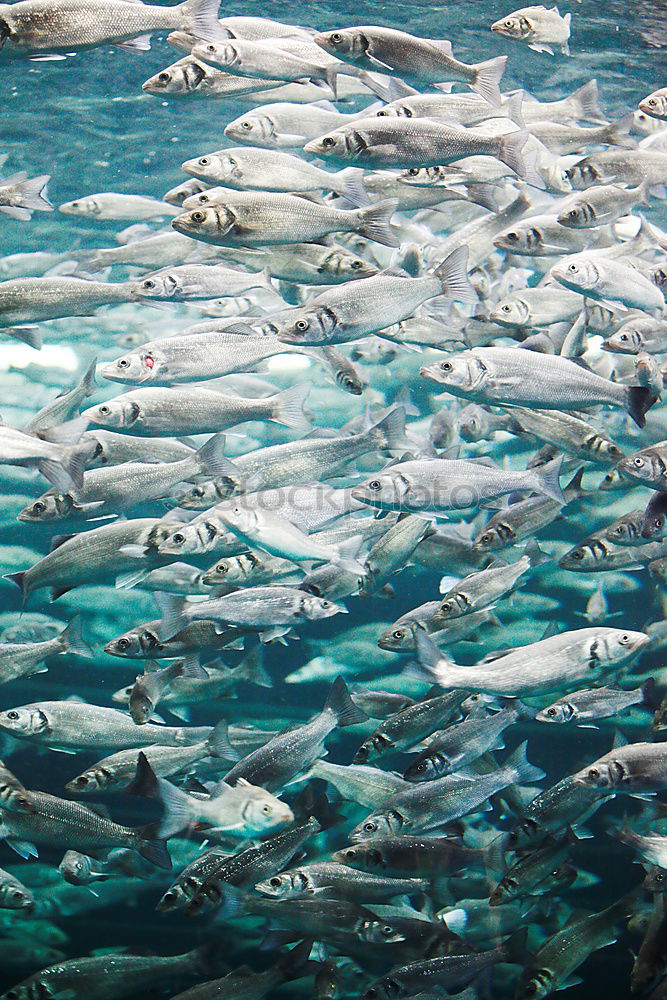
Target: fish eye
336 37
325 604
104 410
508 24
660 877
266 808
446 366
328 142
446 606
624 639
572 214
414 172
398 633
123 643
13 716
577 554
573 268
246 125
164 77
197 491
179 538
593 772
123 363
301 325
369 827
148 283
506 308
386 930
658 522
38 507
652 101
375 484
356 265
487 537
638 462
221 569
382 114
551 712
275 882
512 237
197 216
203 198
204 161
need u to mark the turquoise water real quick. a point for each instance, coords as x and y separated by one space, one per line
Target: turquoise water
85 121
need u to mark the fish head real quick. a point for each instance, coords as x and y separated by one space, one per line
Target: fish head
135 644
508 888
397 637
520 239
345 266
161 285
555 713
620 644
386 491
653 526
379 932
141 707
309 327
462 373
428 769
361 855
313 608
239 517
473 424
377 825
448 610
139 366
346 43
613 480
645 466
81 206
335 144
207 222
256 128
181 78
181 539
581 558
584 174
517 26
75 868
51 506
26 721
512 311
208 167
577 216
175 897
655 104
421 176
493 538
116 413
262 812
656 879
627 340
222 54
278 886
535 983
605 773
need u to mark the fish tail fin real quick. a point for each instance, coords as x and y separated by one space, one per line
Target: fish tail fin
200 18
19 580
350 185
452 273
389 433
219 743
524 772
431 662
173 619
251 668
178 811
617 133
154 849
347 556
588 99
487 79
73 641
536 555
510 151
33 194
88 383
294 960
375 222
330 75
340 703
640 399
289 407
211 458
548 479
29 335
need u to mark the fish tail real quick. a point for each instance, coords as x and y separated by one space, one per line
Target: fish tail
350 185
288 407
340 703
20 580
524 773
29 335
200 18
588 99
487 78
178 812
211 458
33 194
639 401
251 668
374 222
389 433
348 552
73 641
219 744
617 133
510 151
547 479
452 273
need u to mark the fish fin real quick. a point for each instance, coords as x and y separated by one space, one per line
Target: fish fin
289 407
526 773
487 79
640 400
200 18
173 619
155 850
251 668
33 194
452 273
141 43
588 99
541 47
212 460
375 222
389 433
350 185
15 212
19 580
347 556
548 479
125 581
340 703
219 744
24 848
29 335
510 151
73 640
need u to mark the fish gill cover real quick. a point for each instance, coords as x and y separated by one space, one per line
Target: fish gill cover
334 499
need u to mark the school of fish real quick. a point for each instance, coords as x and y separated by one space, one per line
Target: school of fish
334 611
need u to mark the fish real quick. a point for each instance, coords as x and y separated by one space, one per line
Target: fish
588 705
540 27
21 195
23 659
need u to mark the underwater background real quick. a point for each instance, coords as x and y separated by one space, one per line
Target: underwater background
85 121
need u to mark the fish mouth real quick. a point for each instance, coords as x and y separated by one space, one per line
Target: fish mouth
311 147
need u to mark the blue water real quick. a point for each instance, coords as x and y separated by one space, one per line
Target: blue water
85 121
